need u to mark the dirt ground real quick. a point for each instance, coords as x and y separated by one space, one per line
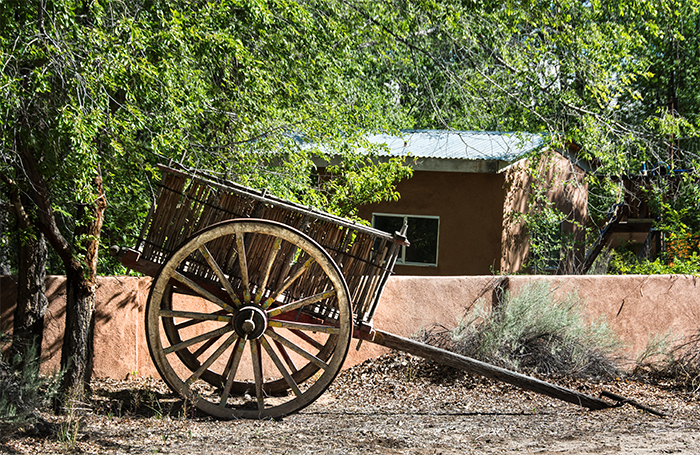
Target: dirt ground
397 404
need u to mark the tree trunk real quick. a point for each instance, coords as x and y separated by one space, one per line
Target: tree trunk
5 268
81 283
28 324
80 263
76 353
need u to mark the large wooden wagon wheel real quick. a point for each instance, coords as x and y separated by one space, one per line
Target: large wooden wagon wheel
249 318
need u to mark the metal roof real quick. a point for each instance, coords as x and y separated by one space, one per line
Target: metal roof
461 145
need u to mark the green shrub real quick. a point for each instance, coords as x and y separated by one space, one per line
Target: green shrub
625 262
23 391
534 332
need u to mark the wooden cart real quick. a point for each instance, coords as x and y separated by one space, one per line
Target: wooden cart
254 299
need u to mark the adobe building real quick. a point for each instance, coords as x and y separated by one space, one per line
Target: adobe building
464 203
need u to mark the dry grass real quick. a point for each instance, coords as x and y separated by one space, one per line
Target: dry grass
672 362
535 332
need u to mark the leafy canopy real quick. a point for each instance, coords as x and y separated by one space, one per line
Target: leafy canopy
251 90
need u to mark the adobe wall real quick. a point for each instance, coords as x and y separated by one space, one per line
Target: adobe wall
470 207
120 347
566 188
636 307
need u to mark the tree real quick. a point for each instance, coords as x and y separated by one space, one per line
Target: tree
616 78
28 320
93 95
5 241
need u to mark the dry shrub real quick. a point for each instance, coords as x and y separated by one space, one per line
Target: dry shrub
534 332
677 363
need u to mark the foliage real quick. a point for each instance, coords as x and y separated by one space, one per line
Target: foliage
7 259
616 78
243 88
545 227
625 262
358 181
535 331
549 219
681 253
543 222
532 66
23 393
232 87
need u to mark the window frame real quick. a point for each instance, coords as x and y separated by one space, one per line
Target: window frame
401 259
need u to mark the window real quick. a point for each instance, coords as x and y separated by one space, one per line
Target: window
422 233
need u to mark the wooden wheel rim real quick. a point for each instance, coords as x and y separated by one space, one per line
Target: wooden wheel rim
333 352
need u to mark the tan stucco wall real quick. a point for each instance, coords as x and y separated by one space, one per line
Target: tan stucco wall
479 233
636 307
470 207
120 347
566 189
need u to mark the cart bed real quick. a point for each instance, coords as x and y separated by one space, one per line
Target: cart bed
191 201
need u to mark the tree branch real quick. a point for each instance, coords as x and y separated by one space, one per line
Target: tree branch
40 195
15 201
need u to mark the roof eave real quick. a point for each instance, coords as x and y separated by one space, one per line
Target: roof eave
485 166
469 166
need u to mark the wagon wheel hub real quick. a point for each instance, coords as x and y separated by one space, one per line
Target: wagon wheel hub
250 322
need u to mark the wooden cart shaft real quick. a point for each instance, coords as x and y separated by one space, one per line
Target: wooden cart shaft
470 365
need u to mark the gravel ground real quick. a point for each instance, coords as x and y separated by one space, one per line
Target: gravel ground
397 404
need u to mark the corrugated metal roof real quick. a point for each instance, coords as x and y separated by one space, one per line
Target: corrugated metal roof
465 145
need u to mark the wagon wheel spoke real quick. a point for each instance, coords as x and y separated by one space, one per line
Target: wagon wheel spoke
319 328
194 316
197 339
268 268
243 264
285 355
176 333
298 349
231 368
301 303
220 350
204 251
216 343
201 291
256 357
280 367
204 347
288 282
307 338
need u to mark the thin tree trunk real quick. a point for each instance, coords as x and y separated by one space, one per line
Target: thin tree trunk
81 282
28 324
76 353
80 264
5 268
